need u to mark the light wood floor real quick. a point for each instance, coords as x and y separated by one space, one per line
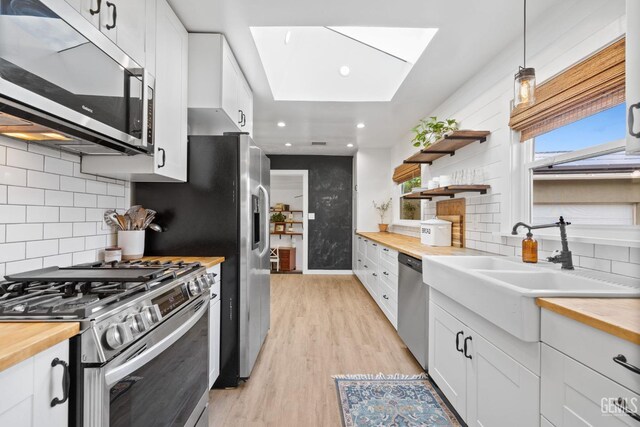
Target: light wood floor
320 326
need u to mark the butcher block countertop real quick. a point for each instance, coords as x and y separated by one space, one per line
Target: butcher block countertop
207 262
615 316
411 245
20 341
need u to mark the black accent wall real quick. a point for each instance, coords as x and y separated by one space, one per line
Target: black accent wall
331 199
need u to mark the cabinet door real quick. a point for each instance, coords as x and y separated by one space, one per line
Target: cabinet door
49 384
171 95
447 365
245 105
230 84
632 79
574 395
372 280
214 342
500 391
130 26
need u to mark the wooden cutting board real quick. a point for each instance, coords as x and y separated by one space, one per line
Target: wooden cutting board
456 229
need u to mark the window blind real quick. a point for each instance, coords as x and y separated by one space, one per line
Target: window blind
405 172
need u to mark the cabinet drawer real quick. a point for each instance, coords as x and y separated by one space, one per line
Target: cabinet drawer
361 245
389 286
390 267
372 252
392 254
592 347
390 310
575 395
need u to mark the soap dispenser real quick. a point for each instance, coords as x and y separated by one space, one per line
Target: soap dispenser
529 249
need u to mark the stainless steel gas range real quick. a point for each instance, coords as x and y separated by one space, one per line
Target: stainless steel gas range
141 358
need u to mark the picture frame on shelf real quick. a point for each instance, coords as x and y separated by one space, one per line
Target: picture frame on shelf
279 228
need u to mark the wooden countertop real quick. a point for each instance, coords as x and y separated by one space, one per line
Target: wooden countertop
207 262
411 245
20 341
615 316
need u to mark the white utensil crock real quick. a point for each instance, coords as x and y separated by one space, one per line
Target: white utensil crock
132 243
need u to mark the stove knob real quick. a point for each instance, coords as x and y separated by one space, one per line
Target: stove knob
152 314
194 288
204 283
137 323
117 335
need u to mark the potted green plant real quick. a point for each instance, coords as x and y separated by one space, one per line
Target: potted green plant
429 131
278 217
382 209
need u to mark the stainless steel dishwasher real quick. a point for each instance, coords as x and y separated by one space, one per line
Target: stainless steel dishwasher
413 306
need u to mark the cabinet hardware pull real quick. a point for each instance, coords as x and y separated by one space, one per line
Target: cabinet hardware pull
468 356
97 10
622 361
244 119
66 382
240 121
631 132
375 244
458 335
164 157
385 297
385 273
366 266
621 403
359 260
114 15
375 275
385 249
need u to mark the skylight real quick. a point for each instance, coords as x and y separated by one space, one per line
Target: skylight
348 64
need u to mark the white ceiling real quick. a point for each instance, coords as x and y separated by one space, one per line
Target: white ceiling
471 33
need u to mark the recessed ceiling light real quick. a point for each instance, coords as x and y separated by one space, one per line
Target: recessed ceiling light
635 174
281 124
349 145
360 125
344 71
287 37
288 144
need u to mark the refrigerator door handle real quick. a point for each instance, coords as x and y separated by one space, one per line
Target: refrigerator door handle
266 216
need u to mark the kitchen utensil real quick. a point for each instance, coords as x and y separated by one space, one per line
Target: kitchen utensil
127 221
111 219
156 227
150 216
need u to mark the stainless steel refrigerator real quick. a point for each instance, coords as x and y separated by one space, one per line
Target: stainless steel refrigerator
222 210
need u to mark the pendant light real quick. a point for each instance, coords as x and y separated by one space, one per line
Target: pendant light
525 78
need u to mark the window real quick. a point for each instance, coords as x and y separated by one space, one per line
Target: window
581 171
409 209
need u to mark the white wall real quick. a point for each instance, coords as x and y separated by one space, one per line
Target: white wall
373 182
569 33
50 212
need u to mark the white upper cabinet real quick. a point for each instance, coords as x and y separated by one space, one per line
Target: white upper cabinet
169 162
633 75
220 99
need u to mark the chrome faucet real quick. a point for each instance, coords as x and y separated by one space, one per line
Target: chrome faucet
564 257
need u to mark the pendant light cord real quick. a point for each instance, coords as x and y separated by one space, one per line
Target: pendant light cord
525 35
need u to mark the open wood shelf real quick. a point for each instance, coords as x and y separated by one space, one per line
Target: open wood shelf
448 145
290 211
448 191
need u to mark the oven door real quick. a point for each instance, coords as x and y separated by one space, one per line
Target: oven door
54 61
161 381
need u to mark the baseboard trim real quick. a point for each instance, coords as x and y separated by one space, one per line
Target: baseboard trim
336 272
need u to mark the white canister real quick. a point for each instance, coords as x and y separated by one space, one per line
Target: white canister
132 243
435 232
445 180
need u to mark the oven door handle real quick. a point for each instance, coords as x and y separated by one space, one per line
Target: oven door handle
116 374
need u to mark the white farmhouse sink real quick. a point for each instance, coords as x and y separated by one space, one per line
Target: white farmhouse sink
503 291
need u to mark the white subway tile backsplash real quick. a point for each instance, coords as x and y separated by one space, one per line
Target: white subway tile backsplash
25 196
84 229
73 244
595 263
3 194
106 201
507 250
26 265
13 176
43 214
23 232
58 230
95 242
115 190
3 155
96 187
616 253
44 180
634 255
58 198
95 214
84 257
24 159
63 260
84 200
71 157
69 183
45 151
3 232
12 251
73 214
12 214
58 166
626 269
42 248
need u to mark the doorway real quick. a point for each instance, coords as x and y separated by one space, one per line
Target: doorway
289 221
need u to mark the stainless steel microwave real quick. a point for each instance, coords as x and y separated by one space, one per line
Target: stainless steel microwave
64 83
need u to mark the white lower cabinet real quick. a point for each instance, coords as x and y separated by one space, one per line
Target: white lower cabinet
214 327
28 389
377 268
486 386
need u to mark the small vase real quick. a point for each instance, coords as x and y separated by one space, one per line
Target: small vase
383 227
132 243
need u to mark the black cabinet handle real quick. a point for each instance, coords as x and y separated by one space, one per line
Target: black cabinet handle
375 275
96 10
164 157
385 297
114 16
359 260
458 335
468 356
366 266
66 381
622 361
240 121
385 273
385 249
244 119
375 244
622 404
631 132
